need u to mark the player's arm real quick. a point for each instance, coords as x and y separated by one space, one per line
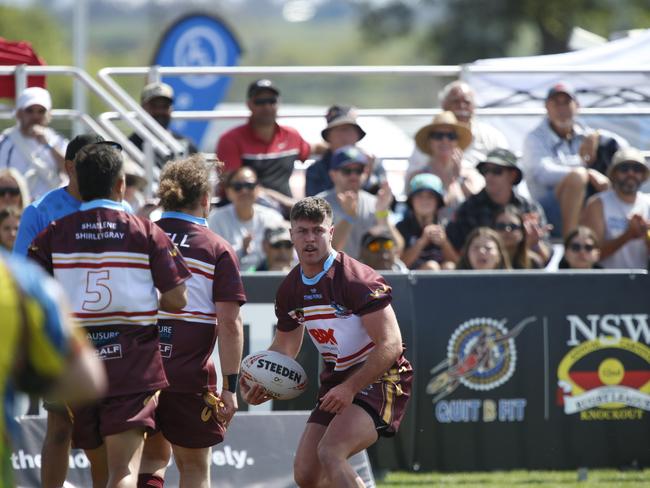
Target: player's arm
231 345
285 342
381 325
174 299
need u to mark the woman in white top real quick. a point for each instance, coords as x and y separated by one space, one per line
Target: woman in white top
444 140
243 221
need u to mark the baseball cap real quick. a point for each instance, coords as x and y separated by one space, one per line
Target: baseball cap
156 90
80 141
561 87
427 182
259 85
338 115
348 155
34 95
276 234
502 157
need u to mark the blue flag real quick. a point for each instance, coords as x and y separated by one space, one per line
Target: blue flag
197 40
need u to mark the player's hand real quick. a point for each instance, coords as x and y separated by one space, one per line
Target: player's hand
337 399
253 395
229 405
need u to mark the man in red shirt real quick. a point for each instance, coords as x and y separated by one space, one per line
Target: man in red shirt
264 145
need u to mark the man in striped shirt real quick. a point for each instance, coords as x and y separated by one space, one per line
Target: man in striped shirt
112 263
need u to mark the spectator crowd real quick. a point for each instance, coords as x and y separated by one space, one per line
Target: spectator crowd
470 204
462 176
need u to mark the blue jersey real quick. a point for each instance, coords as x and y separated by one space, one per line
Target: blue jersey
51 206
54 205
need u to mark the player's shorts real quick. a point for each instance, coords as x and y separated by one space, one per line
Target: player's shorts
385 400
113 415
189 419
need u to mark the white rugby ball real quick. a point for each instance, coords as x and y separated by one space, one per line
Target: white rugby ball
281 376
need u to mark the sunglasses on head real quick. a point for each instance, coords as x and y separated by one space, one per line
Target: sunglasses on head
9 190
265 101
502 226
495 170
380 245
351 171
439 136
577 247
242 185
634 167
282 245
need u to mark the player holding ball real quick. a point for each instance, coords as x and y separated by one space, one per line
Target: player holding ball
366 382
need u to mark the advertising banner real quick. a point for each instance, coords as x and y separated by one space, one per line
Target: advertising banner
197 40
258 452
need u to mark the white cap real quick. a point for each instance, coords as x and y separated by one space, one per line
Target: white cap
34 96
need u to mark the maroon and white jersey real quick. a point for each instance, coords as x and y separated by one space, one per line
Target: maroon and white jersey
331 305
111 263
187 337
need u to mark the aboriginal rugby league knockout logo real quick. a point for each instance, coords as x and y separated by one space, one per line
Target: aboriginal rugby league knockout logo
605 375
481 355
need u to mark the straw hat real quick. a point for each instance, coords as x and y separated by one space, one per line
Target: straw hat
443 119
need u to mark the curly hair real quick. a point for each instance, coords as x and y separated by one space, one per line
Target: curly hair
184 181
313 209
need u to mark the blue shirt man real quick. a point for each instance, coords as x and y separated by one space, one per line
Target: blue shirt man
56 203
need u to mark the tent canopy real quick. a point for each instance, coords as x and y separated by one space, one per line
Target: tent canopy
14 53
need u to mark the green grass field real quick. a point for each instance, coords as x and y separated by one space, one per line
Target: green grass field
522 479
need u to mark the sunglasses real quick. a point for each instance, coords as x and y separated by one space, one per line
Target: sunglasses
282 245
265 101
383 245
495 170
9 190
242 185
577 247
634 167
439 136
351 171
506 227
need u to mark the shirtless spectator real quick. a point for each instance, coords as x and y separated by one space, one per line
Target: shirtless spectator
620 217
264 145
558 160
458 97
31 147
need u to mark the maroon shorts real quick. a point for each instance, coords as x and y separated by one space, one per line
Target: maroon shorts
188 419
113 415
384 400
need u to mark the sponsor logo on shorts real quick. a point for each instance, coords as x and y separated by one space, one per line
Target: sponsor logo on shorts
165 350
110 351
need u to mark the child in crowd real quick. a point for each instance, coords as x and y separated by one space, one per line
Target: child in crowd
484 250
9 220
581 249
425 242
509 224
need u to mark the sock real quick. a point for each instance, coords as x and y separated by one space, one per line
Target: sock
148 480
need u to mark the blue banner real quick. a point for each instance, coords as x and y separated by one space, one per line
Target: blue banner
197 40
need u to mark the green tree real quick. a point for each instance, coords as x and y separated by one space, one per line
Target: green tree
466 30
